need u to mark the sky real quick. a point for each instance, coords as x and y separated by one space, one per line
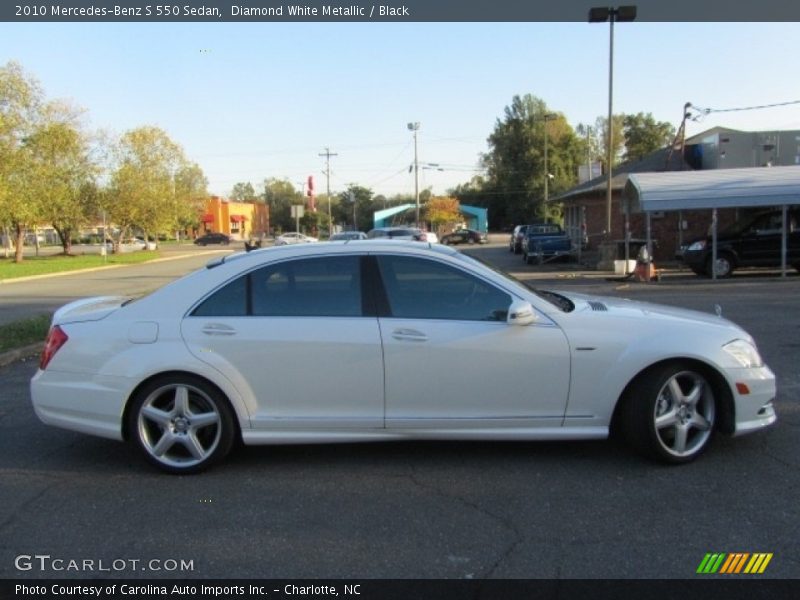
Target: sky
250 101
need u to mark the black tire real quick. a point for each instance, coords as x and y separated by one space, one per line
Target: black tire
725 265
669 412
181 423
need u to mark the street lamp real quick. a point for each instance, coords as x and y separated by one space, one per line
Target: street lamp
547 117
601 15
415 127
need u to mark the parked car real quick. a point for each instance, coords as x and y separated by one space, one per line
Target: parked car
545 241
213 238
517 238
202 362
397 233
348 235
754 242
294 238
137 243
465 236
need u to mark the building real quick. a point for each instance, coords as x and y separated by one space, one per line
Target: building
240 220
584 206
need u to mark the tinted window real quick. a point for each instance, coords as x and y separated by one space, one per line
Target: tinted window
230 301
425 289
314 287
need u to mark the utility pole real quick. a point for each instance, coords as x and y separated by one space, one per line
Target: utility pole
547 117
415 128
327 154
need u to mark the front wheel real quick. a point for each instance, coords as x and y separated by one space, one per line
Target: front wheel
723 267
669 413
181 423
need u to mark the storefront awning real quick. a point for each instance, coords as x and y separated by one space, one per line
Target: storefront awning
207 218
238 218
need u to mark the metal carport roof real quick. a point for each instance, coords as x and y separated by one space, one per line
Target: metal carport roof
714 189
717 188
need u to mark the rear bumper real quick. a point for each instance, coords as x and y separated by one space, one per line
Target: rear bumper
69 401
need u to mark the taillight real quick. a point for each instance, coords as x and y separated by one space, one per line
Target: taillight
55 339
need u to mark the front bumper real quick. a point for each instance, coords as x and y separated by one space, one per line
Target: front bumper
753 410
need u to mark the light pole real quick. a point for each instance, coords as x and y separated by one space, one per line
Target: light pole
601 15
415 128
547 117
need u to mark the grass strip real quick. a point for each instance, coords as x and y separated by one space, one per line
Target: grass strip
24 332
44 265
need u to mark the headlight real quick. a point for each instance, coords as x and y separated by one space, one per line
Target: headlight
698 245
744 353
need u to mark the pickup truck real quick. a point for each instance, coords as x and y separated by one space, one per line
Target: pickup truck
545 241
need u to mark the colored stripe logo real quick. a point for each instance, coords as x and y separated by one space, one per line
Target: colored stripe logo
734 563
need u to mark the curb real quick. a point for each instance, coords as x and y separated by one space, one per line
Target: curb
6 358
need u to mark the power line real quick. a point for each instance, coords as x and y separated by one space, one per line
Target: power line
707 111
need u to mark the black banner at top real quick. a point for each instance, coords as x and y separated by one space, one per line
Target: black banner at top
399 11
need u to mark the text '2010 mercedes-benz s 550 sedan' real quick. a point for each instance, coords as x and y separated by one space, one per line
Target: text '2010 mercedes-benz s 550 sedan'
340 342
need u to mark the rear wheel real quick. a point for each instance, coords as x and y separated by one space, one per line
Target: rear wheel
669 413
181 423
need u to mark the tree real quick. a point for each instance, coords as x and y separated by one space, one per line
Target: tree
515 162
279 195
191 192
643 135
142 192
243 192
355 207
64 182
21 105
441 211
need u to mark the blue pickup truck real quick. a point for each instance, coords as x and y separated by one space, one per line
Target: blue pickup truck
545 241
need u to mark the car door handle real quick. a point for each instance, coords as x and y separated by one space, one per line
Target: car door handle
409 335
218 329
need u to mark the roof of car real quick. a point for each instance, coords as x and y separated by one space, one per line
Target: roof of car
337 247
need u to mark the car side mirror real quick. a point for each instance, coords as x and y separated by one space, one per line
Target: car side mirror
521 313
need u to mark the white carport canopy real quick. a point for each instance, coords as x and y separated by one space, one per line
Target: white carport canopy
713 189
717 188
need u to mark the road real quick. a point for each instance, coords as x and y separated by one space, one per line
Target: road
19 299
420 510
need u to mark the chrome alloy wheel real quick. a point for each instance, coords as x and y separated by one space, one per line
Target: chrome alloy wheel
684 414
179 425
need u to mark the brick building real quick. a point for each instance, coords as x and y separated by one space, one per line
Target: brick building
584 206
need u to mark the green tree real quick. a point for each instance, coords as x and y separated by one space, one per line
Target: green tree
279 195
355 208
21 106
643 135
142 190
243 192
191 191
64 183
515 162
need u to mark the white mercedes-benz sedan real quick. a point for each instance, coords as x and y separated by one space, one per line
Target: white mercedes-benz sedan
377 340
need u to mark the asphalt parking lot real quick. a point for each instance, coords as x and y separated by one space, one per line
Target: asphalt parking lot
424 510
